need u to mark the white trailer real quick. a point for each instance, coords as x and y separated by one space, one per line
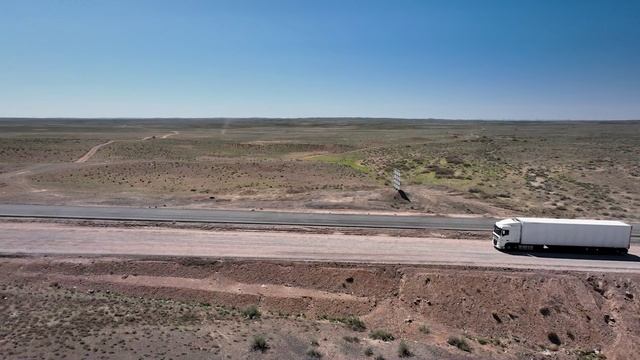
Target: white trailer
526 233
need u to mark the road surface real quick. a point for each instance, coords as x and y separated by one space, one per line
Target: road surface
254 217
48 238
93 151
245 217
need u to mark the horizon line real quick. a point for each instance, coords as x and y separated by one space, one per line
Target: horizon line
295 118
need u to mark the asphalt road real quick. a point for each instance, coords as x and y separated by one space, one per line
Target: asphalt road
253 217
49 238
245 217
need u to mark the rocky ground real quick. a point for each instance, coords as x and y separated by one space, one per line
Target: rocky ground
132 308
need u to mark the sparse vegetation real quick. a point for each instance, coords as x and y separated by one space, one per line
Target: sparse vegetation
590 355
314 354
381 335
351 339
554 338
169 323
353 322
479 162
424 329
545 311
460 343
403 350
252 312
259 343
496 317
222 311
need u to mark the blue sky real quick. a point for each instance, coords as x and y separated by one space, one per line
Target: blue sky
516 59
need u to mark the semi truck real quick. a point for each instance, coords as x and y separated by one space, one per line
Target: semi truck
526 233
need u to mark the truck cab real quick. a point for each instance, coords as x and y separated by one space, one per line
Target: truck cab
506 233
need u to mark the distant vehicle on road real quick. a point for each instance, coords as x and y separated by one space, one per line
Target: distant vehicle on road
525 233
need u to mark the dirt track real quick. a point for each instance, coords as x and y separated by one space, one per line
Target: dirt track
95 149
92 152
65 239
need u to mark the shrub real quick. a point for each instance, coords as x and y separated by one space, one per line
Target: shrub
368 351
251 312
381 335
351 339
403 350
424 329
313 353
590 355
460 343
454 159
554 338
545 311
353 322
444 172
496 317
259 343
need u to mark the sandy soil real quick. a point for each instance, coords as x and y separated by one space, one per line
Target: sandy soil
166 308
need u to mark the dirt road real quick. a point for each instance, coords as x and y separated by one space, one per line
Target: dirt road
92 152
39 238
170 134
94 149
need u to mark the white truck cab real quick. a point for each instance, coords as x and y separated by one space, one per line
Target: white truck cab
506 233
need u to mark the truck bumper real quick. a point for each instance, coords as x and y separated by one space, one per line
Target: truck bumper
496 243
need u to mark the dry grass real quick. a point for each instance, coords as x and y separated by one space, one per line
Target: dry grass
584 169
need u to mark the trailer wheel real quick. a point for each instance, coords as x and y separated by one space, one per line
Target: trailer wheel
622 251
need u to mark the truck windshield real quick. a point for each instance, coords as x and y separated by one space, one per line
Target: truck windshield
497 230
